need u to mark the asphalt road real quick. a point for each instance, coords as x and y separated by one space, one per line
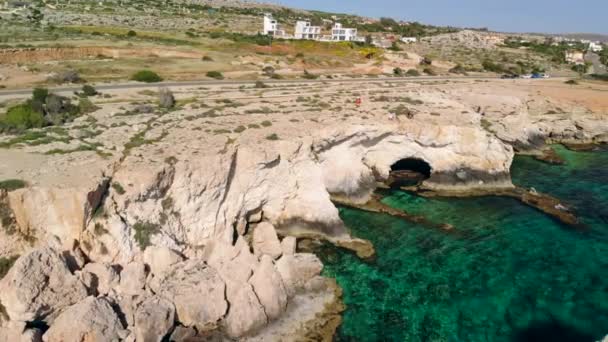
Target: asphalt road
169 84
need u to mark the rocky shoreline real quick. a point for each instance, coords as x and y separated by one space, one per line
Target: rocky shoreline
165 230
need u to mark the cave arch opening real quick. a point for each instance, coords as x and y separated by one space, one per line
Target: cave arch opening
409 172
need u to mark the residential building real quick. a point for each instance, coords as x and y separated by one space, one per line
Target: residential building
304 30
409 40
272 27
575 56
595 47
339 33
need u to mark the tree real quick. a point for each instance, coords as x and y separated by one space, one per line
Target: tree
147 76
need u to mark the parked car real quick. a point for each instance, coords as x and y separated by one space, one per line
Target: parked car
536 76
527 76
509 76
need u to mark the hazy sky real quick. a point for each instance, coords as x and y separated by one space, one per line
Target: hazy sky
555 16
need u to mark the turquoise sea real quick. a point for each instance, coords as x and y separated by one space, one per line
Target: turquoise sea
507 272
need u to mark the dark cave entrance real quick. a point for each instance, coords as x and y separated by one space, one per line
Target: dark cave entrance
409 172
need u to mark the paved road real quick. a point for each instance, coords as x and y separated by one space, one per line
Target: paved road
169 84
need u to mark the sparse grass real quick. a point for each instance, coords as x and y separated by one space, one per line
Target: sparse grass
118 188
12 184
144 232
240 129
253 126
272 137
266 123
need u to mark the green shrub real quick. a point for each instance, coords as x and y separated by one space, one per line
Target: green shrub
412 72
395 47
147 76
88 90
490 66
143 233
571 82
207 59
215 74
426 61
12 184
266 123
85 106
21 117
273 136
600 77
131 33
398 71
118 188
299 55
240 129
458 69
40 94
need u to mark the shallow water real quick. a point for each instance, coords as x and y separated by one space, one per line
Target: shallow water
506 273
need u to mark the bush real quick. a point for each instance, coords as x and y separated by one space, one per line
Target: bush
86 106
429 72
273 137
299 55
88 90
143 233
12 184
216 75
260 84
602 77
309 76
412 72
67 76
22 116
131 33
118 188
581 68
398 71
147 76
40 94
268 71
207 59
165 98
395 47
458 69
490 66
571 82
426 61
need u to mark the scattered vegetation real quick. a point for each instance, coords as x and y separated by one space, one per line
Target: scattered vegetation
207 59
398 72
147 76
273 137
571 82
99 229
144 232
260 84
307 75
266 123
118 188
89 90
12 184
215 74
412 73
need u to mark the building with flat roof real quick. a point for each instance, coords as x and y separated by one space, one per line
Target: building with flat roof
304 30
339 33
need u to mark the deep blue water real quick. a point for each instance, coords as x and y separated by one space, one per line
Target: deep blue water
507 272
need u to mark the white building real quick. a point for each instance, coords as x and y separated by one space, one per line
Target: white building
575 57
339 33
304 30
271 26
595 47
409 40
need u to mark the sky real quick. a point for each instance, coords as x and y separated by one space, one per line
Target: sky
541 16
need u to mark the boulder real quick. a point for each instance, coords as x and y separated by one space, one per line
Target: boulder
101 278
38 285
154 319
133 278
296 270
268 285
160 259
234 263
265 241
92 319
246 314
197 291
288 245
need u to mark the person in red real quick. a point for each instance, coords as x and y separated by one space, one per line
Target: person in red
358 102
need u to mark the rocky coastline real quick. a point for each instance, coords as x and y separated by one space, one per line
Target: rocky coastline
187 236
